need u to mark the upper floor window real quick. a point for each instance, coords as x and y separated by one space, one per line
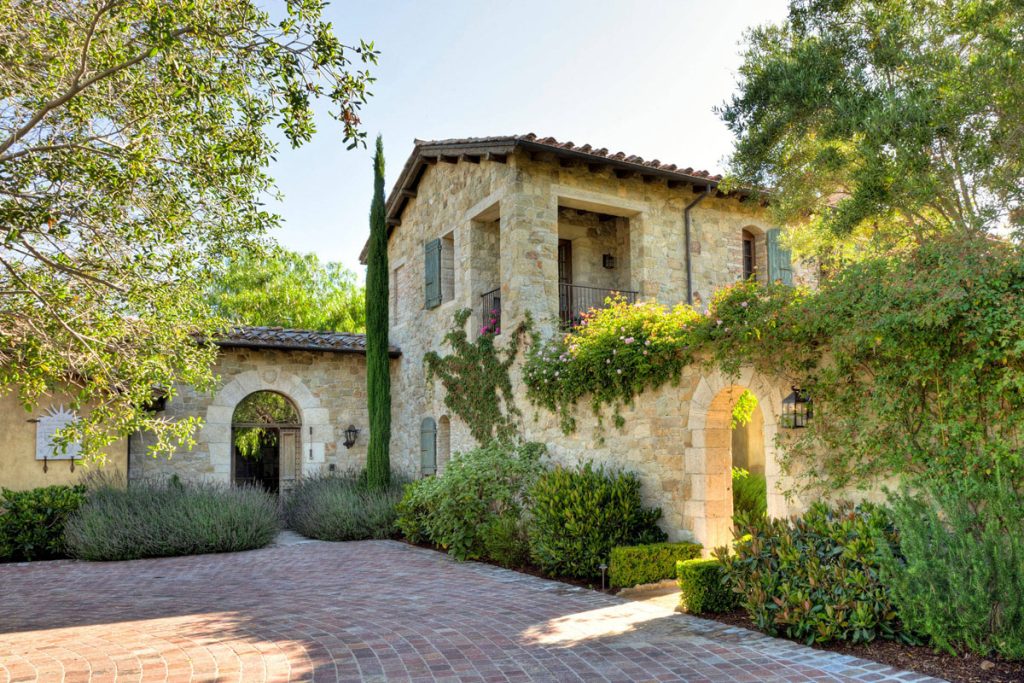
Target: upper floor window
749 255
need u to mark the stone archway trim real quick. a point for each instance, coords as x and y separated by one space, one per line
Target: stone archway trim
316 432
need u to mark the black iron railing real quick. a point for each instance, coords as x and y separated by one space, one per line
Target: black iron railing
575 300
490 312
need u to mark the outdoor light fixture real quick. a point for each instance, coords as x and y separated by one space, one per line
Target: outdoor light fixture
608 261
350 436
797 409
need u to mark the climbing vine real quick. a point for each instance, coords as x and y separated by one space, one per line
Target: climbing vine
915 360
475 376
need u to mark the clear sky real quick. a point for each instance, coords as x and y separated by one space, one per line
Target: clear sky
639 76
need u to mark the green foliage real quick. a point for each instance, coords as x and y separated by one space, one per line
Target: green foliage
743 410
959 574
476 379
378 368
884 123
749 494
816 578
32 522
483 492
155 519
342 508
506 541
578 515
134 141
614 354
283 288
704 587
632 565
260 408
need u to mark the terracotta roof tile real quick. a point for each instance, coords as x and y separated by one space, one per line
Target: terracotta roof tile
296 340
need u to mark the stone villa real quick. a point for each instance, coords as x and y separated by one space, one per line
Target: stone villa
514 225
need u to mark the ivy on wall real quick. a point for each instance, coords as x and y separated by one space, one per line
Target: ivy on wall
475 376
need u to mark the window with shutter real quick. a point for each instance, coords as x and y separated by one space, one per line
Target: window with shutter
780 266
432 273
428 447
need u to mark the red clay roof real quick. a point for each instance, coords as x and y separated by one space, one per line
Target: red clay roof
497 147
286 339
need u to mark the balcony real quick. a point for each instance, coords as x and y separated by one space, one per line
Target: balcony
490 312
575 300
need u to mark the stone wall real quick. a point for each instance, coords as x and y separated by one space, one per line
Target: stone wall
329 390
677 437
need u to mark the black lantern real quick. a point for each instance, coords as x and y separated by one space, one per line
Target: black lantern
797 409
350 436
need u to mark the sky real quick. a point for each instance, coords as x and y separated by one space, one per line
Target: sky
638 76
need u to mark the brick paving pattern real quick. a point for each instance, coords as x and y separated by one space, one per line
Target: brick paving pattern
367 611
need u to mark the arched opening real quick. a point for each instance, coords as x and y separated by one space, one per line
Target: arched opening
444 443
265 429
731 438
749 486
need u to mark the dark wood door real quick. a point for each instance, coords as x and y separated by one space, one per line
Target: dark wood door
565 298
565 261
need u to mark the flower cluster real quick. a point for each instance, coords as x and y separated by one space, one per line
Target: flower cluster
612 355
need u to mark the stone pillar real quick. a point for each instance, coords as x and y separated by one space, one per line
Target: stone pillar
529 255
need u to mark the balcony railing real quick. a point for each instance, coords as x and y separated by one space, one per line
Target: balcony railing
575 300
490 312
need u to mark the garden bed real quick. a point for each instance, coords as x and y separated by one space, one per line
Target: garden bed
966 668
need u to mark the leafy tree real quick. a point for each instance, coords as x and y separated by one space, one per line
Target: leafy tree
886 122
134 136
378 377
288 289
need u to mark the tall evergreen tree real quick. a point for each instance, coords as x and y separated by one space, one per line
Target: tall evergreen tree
378 378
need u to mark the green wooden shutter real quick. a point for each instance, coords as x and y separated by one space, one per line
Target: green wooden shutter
780 260
428 447
432 273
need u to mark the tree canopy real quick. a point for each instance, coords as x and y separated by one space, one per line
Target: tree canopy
134 141
880 124
287 289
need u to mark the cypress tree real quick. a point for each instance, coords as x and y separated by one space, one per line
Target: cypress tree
378 378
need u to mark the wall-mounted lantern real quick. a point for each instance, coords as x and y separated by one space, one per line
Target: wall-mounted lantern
608 261
797 409
350 436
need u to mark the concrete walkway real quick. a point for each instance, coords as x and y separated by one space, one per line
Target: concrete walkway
367 611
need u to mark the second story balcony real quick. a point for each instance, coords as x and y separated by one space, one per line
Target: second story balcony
576 300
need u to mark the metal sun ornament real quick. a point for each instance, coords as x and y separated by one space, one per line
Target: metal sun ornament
797 409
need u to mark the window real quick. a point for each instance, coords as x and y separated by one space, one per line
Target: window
448 267
432 273
428 447
395 287
780 267
749 260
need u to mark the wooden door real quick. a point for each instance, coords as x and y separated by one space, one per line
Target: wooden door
290 458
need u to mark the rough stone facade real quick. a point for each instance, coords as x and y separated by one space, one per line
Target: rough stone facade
327 388
505 218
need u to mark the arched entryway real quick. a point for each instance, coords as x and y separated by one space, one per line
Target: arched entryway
710 460
265 432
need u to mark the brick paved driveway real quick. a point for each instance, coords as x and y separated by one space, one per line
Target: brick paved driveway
374 610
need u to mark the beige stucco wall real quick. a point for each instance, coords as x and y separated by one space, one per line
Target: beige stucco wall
19 468
675 437
329 390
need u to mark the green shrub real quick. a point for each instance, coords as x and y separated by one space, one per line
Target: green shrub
704 587
505 541
419 498
156 519
816 578
959 577
342 508
749 494
578 515
32 522
632 565
459 510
